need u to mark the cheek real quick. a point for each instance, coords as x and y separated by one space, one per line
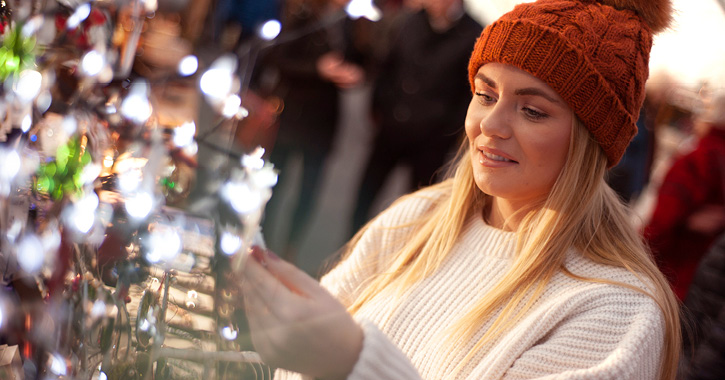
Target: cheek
473 121
551 152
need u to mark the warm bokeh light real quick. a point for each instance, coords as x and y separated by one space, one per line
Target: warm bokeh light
270 30
92 63
28 85
81 13
188 65
230 243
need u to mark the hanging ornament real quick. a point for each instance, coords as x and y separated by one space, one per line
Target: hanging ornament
5 14
64 175
16 53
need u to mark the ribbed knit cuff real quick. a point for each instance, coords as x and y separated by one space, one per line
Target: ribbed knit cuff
380 359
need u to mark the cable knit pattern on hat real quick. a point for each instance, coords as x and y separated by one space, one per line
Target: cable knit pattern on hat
575 329
594 56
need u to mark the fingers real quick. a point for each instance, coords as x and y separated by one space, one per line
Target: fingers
292 277
258 280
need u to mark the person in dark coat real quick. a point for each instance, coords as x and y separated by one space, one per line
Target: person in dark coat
311 69
704 353
690 209
418 107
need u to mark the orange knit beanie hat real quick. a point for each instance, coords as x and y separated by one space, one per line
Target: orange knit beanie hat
594 54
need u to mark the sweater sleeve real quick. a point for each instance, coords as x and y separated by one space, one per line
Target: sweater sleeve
381 359
613 336
385 236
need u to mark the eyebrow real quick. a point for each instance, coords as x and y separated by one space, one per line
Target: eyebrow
520 91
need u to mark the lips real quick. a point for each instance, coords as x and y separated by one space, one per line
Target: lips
496 158
495 155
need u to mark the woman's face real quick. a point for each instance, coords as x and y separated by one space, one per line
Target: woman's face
519 131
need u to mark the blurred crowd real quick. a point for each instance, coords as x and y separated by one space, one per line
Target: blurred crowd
673 174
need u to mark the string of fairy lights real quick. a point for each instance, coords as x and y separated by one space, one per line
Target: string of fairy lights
92 188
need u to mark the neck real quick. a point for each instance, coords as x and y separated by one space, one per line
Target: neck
505 214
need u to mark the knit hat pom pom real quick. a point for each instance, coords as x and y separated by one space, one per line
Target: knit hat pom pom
656 13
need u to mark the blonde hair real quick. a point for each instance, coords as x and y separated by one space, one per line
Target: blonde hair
594 222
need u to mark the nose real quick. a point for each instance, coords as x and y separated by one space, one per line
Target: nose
496 121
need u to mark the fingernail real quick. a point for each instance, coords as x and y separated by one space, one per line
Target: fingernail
272 255
258 254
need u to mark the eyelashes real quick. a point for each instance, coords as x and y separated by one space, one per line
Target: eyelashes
529 112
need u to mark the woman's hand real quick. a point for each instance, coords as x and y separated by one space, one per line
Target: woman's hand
295 323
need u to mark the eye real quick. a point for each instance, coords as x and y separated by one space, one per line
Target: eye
534 114
485 98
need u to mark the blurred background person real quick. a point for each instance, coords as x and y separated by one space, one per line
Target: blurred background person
310 69
704 353
631 175
238 20
690 209
418 106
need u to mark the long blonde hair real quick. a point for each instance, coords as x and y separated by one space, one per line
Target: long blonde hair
593 221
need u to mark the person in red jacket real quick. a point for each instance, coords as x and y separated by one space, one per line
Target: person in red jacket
690 209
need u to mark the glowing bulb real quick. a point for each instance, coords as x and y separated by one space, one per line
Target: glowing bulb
26 123
165 245
216 83
43 101
191 299
231 105
270 30
108 161
144 325
129 181
32 25
229 333
102 376
83 212
363 8
83 222
9 164
230 243
99 309
253 160
57 365
70 125
188 65
28 85
191 149
92 63
51 239
81 13
151 5
265 177
243 112
136 106
111 109
184 134
140 205
243 198
90 173
30 254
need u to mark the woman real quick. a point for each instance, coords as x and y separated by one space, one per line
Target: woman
522 265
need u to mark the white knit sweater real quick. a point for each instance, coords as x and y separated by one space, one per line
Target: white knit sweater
575 330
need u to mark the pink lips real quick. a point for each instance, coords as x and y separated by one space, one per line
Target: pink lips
494 158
